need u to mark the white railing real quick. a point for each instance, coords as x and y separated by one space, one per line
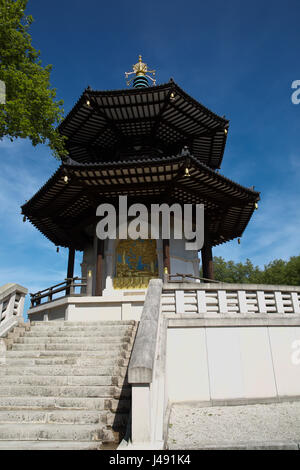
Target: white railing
12 298
230 299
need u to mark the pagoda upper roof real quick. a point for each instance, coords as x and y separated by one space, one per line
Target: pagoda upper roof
109 125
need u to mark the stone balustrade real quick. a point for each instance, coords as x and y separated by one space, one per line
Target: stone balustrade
12 298
230 299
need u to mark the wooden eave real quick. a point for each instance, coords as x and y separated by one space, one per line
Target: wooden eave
60 210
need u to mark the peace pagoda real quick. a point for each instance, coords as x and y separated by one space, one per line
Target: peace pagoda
156 145
109 357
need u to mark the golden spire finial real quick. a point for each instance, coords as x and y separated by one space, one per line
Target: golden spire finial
140 69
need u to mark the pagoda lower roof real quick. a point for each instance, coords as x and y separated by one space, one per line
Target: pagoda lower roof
106 123
62 211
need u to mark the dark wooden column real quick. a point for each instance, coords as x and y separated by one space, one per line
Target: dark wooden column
71 258
207 262
99 266
166 255
70 270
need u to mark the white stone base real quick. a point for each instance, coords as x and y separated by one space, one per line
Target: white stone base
122 305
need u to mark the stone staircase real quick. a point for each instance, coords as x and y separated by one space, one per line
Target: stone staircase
64 386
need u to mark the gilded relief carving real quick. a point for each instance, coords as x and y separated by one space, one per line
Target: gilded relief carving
136 263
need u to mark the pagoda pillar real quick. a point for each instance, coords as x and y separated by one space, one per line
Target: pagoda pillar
70 269
207 262
99 267
166 256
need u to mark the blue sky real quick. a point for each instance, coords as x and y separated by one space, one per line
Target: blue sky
237 58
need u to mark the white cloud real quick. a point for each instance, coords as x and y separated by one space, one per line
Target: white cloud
23 171
31 278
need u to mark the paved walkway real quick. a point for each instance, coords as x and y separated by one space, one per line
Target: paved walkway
275 425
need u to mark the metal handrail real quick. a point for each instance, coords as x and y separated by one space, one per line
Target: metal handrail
190 276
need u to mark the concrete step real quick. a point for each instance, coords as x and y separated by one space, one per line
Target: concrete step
111 331
44 334
59 380
64 386
80 332
81 361
50 445
68 346
68 354
74 339
56 416
64 432
80 391
80 324
53 403
100 391
67 416
64 370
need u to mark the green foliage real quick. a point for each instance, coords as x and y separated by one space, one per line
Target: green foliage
276 272
228 271
30 110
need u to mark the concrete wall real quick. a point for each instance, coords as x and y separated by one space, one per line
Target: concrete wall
232 363
105 311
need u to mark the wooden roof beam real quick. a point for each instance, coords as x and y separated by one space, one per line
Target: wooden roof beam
216 202
158 117
187 115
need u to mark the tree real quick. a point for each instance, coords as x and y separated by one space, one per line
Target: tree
229 271
276 272
30 109
293 271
